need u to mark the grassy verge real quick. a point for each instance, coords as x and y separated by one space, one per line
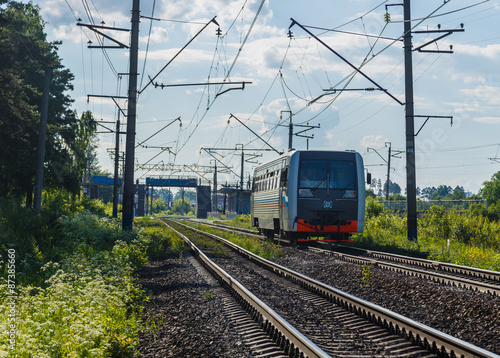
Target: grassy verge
462 238
240 221
264 249
67 285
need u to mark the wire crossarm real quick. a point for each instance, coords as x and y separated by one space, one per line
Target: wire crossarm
446 34
95 27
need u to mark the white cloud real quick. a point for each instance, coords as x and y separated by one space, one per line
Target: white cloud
485 94
490 51
187 56
373 141
158 35
202 10
487 120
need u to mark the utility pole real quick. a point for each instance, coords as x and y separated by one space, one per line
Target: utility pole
388 172
40 151
215 186
249 158
151 201
411 187
388 162
128 182
240 208
290 129
115 178
298 134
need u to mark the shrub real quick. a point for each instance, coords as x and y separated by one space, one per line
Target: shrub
373 208
242 221
89 307
450 236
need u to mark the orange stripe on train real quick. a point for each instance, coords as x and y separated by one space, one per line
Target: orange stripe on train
351 226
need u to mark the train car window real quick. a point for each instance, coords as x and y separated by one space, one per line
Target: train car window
313 174
342 175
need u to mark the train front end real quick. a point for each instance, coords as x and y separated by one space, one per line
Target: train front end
326 195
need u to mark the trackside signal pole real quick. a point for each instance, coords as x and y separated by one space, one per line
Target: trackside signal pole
128 182
411 188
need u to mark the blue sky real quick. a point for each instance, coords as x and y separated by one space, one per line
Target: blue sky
291 75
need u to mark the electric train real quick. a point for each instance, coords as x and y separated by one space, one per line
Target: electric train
308 195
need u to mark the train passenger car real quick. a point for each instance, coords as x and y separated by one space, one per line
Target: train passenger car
304 195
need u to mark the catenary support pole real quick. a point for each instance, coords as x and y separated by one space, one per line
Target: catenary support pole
240 208
40 151
128 185
117 161
388 174
411 194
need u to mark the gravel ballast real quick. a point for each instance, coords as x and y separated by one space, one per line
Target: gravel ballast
185 315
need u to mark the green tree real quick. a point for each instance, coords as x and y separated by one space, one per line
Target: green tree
25 56
491 190
441 192
189 195
181 207
159 206
458 193
370 194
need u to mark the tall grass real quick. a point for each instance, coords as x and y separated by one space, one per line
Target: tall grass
264 249
75 293
463 238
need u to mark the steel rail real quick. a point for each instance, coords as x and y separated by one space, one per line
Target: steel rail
459 269
435 265
420 334
294 343
415 272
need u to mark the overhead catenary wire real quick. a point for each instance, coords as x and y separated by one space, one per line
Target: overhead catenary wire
147 44
227 75
367 59
350 77
292 104
446 13
99 39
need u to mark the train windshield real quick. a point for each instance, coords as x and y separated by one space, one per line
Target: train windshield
342 175
313 174
318 174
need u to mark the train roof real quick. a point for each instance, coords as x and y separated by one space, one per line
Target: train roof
277 160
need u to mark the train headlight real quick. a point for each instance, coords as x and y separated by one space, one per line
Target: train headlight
305 193
350 194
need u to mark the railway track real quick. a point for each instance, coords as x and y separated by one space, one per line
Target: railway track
454 275
355 316
443 273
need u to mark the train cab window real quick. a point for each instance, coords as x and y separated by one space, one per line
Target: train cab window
342 175
313 174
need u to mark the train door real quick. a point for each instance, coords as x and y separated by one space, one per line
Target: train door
283 192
